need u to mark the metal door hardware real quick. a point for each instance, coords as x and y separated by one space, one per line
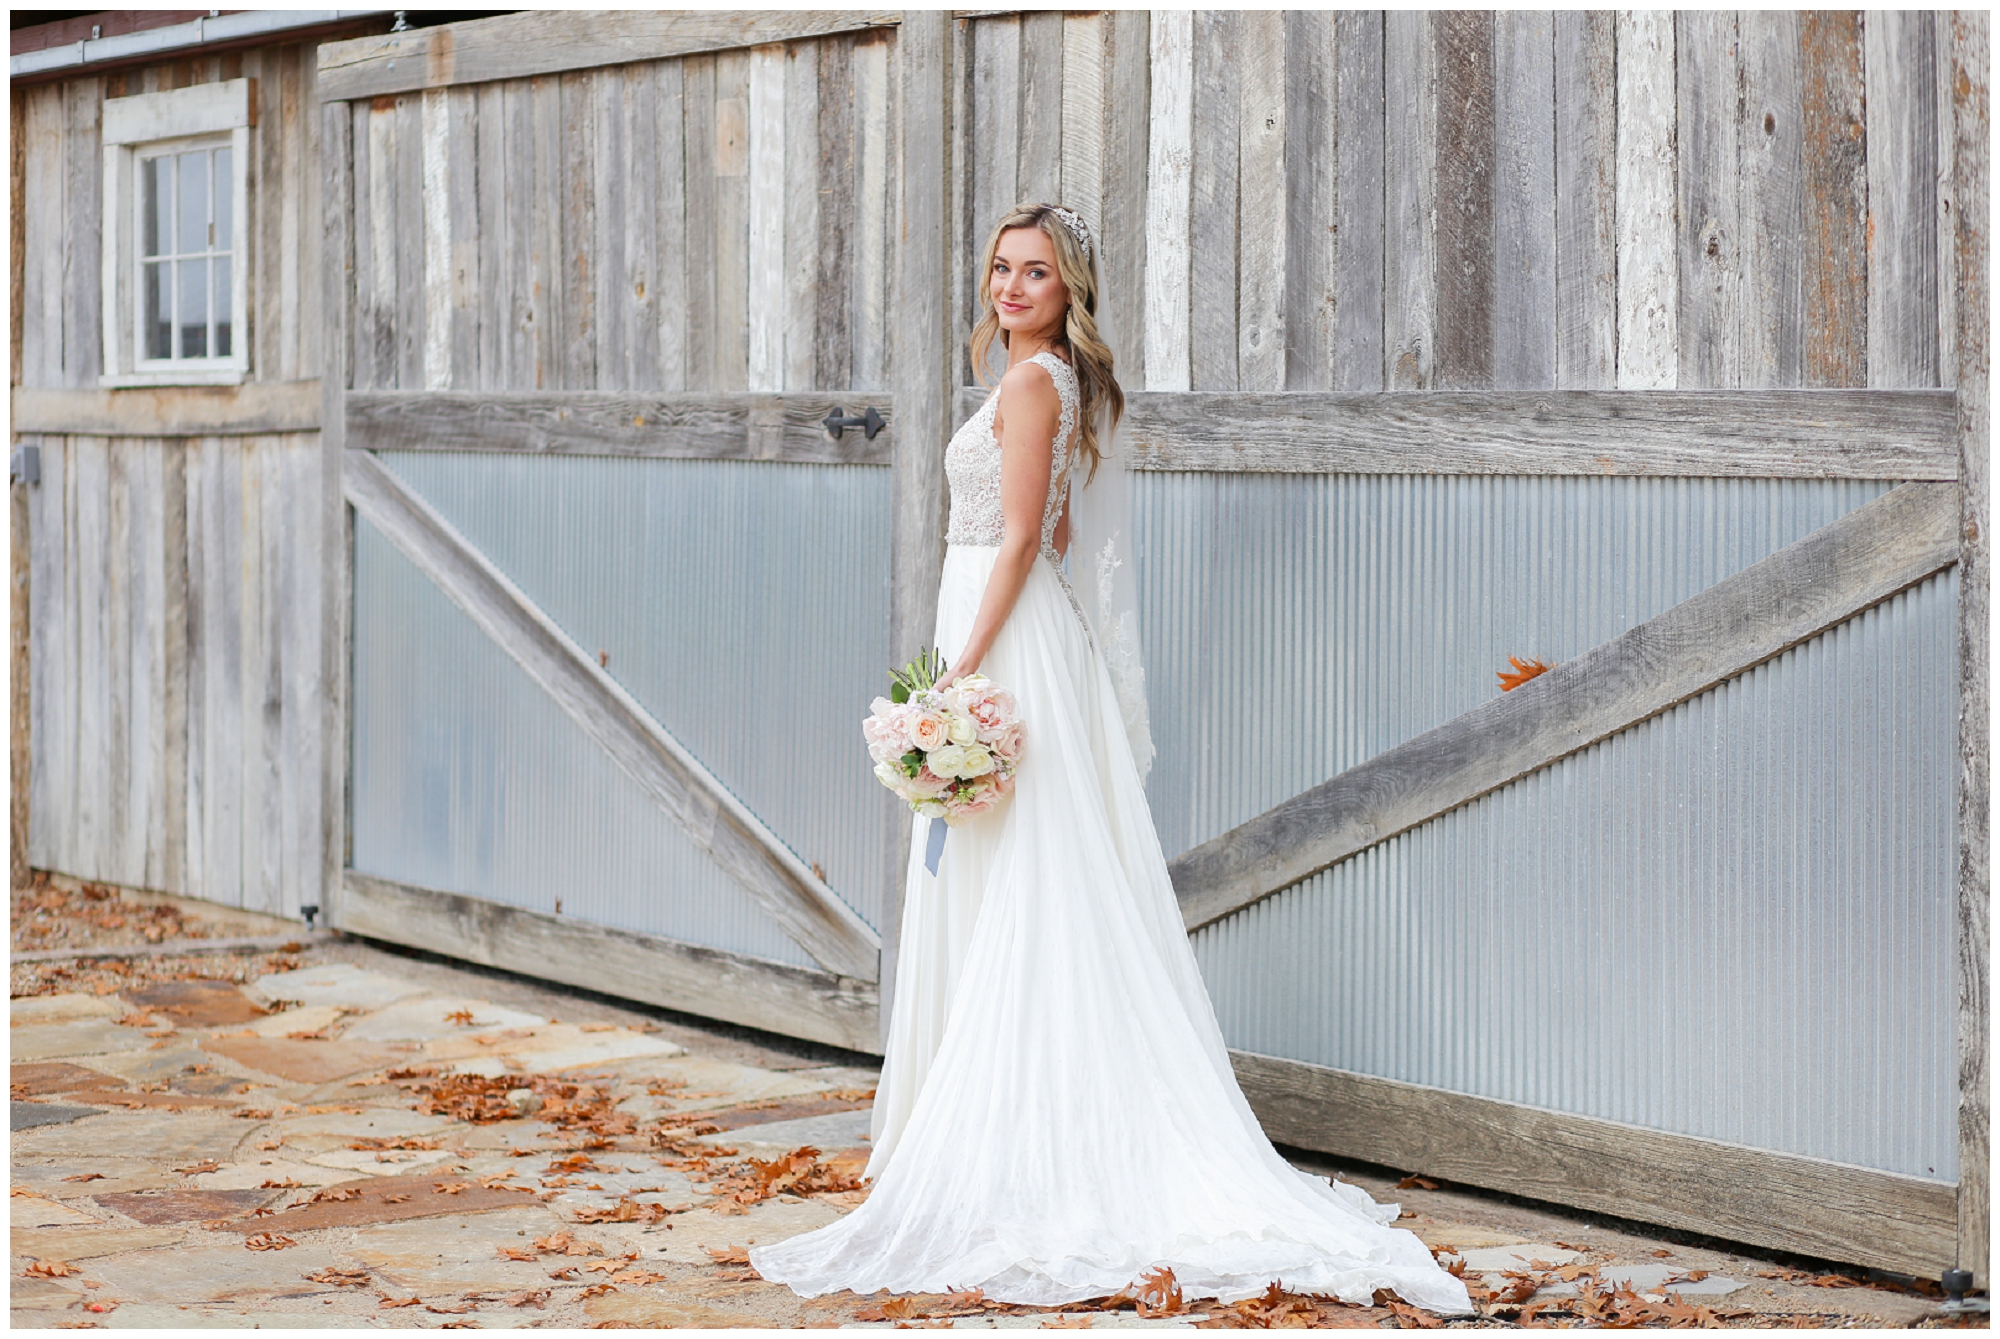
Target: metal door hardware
870 423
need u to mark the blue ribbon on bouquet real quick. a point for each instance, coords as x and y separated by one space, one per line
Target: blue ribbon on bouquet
934 844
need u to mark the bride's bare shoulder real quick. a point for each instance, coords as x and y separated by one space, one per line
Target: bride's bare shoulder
1028 395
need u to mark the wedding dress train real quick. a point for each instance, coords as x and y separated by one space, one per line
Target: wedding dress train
1057 1114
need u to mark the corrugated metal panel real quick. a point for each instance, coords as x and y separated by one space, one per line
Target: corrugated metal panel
1734 920
1297 625
744 604
468 777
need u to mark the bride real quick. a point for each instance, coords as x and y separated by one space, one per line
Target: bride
1057 1114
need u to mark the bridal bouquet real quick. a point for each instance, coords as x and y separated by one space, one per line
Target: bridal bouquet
950 752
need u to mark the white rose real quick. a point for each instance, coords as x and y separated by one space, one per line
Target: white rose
963 731
947 760
978 762
892 777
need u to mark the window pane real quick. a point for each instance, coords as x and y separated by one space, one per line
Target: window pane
194 201
225 200
194 307
223 304
157 325
156 205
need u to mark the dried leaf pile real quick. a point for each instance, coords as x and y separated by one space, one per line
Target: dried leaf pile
479 1100
47 915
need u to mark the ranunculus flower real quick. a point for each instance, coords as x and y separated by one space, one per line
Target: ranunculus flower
963 731
928 730
977 761
947 760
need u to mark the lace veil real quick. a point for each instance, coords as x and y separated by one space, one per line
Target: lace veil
1103 559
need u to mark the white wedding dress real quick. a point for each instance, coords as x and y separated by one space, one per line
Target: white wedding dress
1057 1114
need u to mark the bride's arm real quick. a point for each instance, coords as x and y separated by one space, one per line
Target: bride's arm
1029 414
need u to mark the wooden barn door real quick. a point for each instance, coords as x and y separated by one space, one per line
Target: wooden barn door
617 587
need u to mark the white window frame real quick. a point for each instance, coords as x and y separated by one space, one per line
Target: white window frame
145 126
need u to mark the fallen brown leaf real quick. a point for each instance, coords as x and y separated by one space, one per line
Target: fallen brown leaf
49 1269
340 1278
1415 1182
399 1301
85 1176
1524 670
268 1241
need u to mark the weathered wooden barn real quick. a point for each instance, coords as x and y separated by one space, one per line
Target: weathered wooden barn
444 496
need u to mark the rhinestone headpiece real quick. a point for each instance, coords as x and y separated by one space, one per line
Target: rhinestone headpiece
1077 228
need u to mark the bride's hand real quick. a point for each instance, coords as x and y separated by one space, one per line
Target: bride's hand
959 672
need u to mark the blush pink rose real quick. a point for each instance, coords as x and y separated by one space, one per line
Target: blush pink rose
928 730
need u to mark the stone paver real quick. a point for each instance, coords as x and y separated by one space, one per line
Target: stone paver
257 1156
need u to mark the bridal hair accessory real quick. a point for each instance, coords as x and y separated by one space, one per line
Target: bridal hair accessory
950 753
1077 228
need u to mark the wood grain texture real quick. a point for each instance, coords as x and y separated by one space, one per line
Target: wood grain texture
1169 199
833 355
1465 199
1212 212
1834 573
1776 1200
577 261
337 248
17 228
1833 162
1409 222
1687 434
1524 200
1586 133
874 215
51 805
20 701
514 46
613 213
1356 357
688 426
1312 223
1263 212
1709 235
1945 206
1899 67
1127 103
710 983
1648 244
765 293
1038 152
698 128
170 411
1084 121
83 223
802 210
713 818
1771 329
671 247
1971 105
731 207
410 299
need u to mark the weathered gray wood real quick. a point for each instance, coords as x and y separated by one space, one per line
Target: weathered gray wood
196 469
1776 1200
1586 101
1038 151
17 228
1648 297
1971 108
1354 360
263 230
434 112
1705 85
1263 214
463 284
20 701
712 983
365 140
765 254
145 821
1212 214
712 817
82 225
1898 66
1409 222
1798 592
802 209
995 142
1311 160
336 297
170 411
513 46
1524 200
170 842
1126 101
1771 323
576 200
258 704
740 426
493 207
670 245
51 798
40 136
699 131
615 210
731 206
300 268
1689 434
1465 199
1084 121
924 364
1833 166
90 508
833 355
1945 200
545 289
104 498
409 243
874 213
1169 199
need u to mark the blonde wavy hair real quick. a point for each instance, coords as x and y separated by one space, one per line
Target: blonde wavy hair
1089 355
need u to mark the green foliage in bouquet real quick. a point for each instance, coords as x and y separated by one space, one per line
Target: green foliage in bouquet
919 676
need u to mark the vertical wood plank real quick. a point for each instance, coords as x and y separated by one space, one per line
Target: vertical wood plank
90 563
1648 297
1409 224
466 284
122 859
435 148
1524 200
833 354
699 130
963 242
1263 218
1971 103
1710 249
145 609
577 103
366 175
197 468
495 239
671 246
338 182
262 705
1212 214
732 220
1038 164
40 209
1898 67
1127 99
291 615
20 615
167 827
1312 197
51 787
1081 134
1771 321
271 180
765 257
1586 99
301 154
409 239
872 212
17 231
641 222
83 216
1945 204
1169 200
1465 225
546 272
996 121
611 216
1354 359
1833 158
802 206
229 565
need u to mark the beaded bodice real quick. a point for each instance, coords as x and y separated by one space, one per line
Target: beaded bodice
972 466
